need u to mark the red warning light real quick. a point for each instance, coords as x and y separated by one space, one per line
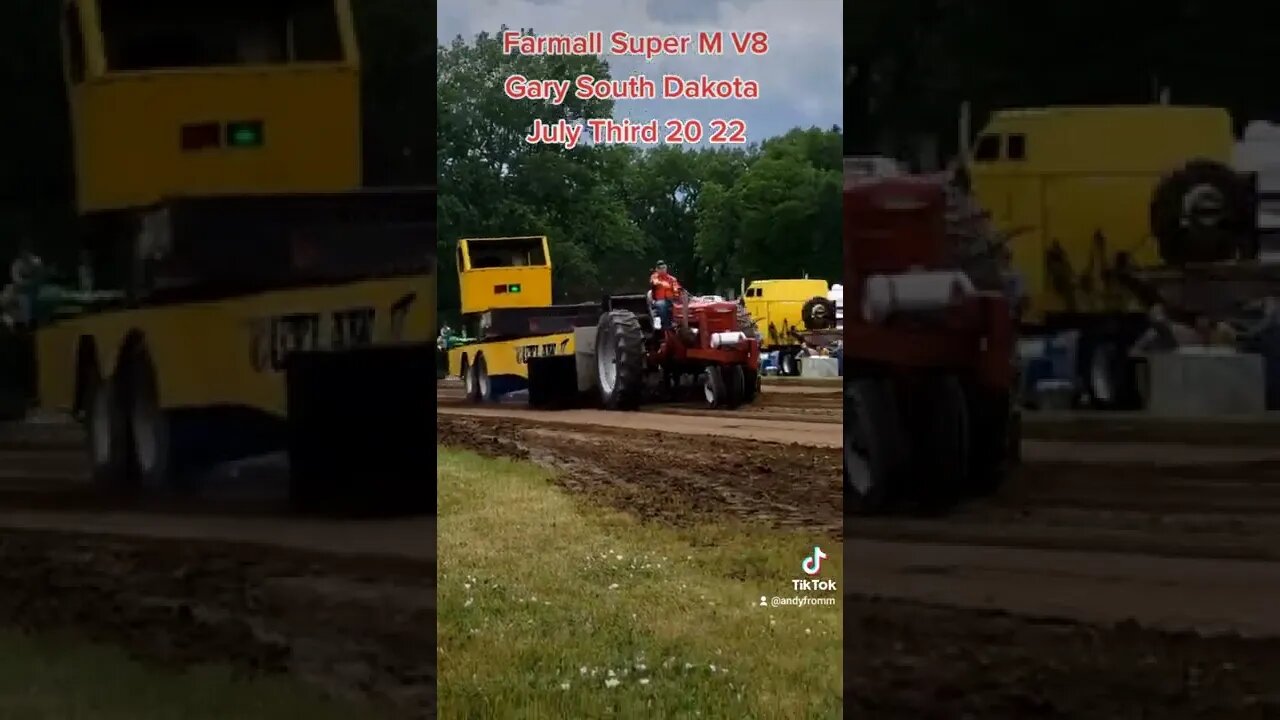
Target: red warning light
201 136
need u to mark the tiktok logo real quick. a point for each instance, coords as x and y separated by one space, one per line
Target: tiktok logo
812 564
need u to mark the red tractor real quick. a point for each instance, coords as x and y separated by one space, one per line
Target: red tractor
929 416
712 342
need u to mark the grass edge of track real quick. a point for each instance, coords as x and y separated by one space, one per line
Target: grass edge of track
555 608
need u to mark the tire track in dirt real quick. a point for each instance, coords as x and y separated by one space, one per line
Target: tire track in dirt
669 477
357 627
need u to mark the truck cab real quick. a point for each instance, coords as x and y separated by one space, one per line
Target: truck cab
779 309
1074 187
1091 198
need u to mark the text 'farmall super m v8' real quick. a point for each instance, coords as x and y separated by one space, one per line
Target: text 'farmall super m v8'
712 341
928 417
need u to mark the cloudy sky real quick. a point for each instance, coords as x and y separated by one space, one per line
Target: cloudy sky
800 77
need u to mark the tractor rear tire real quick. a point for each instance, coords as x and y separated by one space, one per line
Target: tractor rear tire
873 447
715 389
620 360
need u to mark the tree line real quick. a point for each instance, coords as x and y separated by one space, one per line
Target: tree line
909 64
716 215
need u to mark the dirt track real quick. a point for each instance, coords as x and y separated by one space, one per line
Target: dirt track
1098 584
777 405
1091 587
346 605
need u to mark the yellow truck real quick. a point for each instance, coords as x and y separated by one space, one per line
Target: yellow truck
270 301
784 311
505 286
1090 194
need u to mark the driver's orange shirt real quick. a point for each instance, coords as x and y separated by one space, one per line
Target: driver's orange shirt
665 286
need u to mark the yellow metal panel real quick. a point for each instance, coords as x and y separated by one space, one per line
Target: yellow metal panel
127 129
1123 139
484 289
211 354
509 356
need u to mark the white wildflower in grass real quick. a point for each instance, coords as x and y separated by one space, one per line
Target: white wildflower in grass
713 668
613 586
583 670
644 681
641 667
468 602
612 683
564 686
807 631
612 673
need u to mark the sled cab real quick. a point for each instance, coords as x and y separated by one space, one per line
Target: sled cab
201 98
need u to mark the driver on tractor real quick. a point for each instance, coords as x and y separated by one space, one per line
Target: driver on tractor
663 291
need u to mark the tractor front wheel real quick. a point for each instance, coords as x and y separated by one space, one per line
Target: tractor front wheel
751 386
715 389
939 424
736 379
874 445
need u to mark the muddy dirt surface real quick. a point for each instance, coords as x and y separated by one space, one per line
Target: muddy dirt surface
1116 580
666 477
357 626
224 576
777 403
1113 577
908 661
1247 430
1120 574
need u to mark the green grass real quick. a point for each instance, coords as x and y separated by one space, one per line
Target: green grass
552 608
54 678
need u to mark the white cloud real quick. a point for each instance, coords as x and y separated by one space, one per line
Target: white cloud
800 77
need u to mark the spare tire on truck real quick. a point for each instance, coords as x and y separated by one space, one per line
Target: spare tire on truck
818 313
1204 212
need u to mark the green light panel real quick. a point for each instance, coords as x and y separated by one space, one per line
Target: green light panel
244 134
